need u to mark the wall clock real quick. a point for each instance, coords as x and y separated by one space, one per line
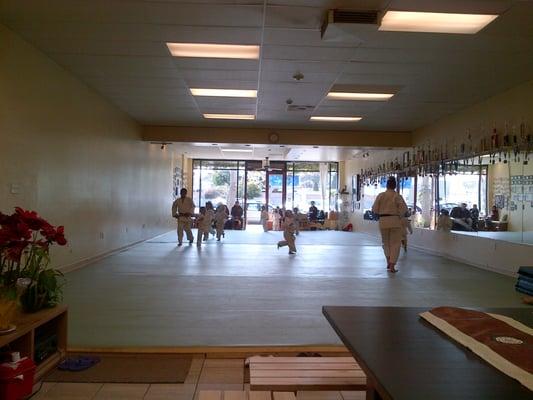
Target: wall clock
273 137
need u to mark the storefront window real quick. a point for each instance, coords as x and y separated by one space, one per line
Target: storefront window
289 184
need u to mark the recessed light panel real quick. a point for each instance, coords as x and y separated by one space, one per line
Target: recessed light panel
340 119
224 92
409 21
229 116
237 150
359 96
202 50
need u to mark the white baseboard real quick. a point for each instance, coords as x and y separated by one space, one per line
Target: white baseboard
89 260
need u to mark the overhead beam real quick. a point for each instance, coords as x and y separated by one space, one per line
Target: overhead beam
284 136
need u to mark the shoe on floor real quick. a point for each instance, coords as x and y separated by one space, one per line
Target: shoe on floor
292 252
179 243
79 363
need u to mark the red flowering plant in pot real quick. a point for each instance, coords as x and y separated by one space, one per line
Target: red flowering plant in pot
25 240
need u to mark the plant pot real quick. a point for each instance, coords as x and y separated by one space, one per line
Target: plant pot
8 310
34 299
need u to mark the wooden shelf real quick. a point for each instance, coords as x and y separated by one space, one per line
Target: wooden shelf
23 339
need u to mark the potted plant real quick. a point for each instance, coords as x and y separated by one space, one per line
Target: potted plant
25 240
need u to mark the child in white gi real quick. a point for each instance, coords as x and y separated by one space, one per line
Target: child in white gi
264 218
210 216
289 228
220 219
406 223
202 222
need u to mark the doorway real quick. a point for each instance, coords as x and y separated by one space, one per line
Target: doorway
255 192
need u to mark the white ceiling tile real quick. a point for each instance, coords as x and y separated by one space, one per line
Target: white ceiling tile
309 77
304 53
210 34
304 66
299 37
67 45
204 14
140 82
294 17
219 75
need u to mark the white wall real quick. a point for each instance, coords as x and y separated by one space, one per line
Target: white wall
76 159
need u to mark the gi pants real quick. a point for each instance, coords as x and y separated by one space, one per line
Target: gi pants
184 224
201 234
219 225
391 229
289 241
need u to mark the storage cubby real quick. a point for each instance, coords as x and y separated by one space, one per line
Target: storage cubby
42 336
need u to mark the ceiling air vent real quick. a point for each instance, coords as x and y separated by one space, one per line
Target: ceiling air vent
343 25
300 108
355 17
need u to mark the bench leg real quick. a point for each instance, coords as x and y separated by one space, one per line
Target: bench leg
371 391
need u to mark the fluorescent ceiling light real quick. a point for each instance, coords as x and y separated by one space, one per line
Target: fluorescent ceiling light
342 119
224 92
214 50
229 116
238 150
359 96
408 21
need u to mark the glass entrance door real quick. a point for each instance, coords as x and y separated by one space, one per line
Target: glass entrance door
277 185
255 191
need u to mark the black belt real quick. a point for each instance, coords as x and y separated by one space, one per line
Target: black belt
387 215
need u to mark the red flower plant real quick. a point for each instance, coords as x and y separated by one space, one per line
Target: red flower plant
25 239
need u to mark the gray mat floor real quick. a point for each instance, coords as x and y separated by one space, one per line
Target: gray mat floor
243 291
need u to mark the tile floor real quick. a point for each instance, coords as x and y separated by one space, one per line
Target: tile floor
205 374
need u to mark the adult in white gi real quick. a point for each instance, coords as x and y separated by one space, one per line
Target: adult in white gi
183 209
391 207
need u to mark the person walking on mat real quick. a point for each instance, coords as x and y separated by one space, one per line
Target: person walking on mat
289 228
391 208
183 209
220 219
203 223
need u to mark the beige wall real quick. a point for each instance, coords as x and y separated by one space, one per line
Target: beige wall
511 107
76 159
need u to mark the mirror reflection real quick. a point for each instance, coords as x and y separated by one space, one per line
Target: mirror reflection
489 196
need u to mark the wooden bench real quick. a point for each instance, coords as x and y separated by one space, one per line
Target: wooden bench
305 373
243 395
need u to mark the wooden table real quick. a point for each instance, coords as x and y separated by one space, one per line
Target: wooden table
404 357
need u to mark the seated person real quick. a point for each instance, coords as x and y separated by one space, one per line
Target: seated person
331 222
313 212
494 217
236 214
461 218
444 223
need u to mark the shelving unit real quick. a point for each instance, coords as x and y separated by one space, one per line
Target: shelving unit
29 328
